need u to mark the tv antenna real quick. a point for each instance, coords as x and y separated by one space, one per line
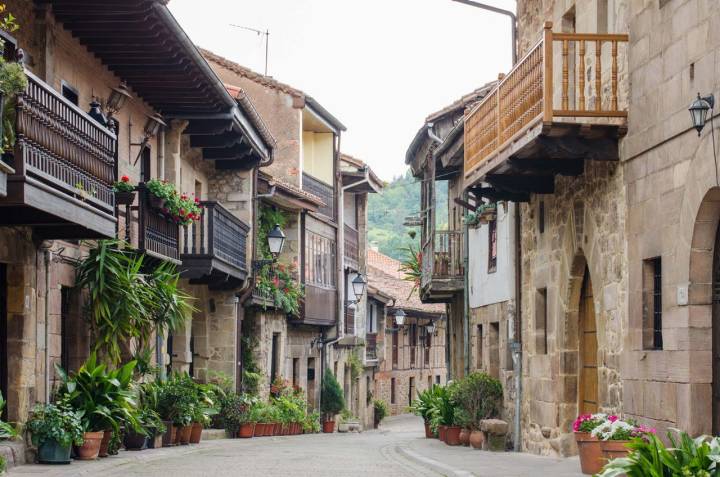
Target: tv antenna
259 32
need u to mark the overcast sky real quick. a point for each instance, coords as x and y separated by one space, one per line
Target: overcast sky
379 66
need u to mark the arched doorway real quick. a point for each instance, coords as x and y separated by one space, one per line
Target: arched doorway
587 334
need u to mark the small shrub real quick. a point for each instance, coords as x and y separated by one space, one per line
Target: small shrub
381 410
480 396
331 395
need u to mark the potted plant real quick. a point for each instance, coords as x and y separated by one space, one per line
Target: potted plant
54 429
479 396
178 400
591 460
7 431
331 401
380 411
462 419
180 208
615 435
423 406
346 420
103 398
124 191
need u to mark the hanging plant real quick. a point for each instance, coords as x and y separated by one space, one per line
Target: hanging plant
180 208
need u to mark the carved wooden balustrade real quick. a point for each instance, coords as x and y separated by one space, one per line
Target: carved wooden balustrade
61 152
158 235
351 244
585 67
442 257
322 190
215 244
371 346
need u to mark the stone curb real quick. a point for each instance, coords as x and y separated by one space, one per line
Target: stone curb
437 466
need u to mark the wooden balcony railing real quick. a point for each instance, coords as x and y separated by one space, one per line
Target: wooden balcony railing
351 244
216 243
443 256
528 93
158 236
371 346
324 191
62 151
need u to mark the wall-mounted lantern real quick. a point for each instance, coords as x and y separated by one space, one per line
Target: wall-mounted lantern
699 110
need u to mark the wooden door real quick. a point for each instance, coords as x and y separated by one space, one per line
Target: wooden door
716 337
588 399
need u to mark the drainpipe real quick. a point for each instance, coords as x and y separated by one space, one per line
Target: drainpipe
513 19
47 253
516 345
466 293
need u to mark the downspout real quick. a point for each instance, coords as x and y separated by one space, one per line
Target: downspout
516 345
466 292
48 259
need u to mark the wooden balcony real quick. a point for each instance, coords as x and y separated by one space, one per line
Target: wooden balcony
60 173
352 244
557 107
442 267
324 191
320 306
214 250
158 235
371 347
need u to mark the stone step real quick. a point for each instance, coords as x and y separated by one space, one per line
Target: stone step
213 434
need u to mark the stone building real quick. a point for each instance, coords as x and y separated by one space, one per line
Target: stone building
548 137
323 197
414 353
57 183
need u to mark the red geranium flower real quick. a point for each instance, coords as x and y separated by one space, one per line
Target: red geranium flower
125 179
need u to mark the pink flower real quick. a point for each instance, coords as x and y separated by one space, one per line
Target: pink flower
612 418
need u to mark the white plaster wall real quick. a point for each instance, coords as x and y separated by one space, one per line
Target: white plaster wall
488 288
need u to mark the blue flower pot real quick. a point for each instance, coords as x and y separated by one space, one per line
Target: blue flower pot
50 452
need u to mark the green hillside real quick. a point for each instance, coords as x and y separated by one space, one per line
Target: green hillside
387 212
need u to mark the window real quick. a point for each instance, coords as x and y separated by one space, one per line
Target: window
413 344
437 379
479 347
296 372
395 349
428 347
371 322
411 391
368 391
541 321
492 246
319 260
652 304
392 390
275 357
541 217
70 93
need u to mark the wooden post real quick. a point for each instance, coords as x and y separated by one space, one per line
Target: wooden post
598 71
498 118
548 73
581 76
614 78
565 74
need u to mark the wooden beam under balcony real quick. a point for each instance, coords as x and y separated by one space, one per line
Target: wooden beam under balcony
495 195
537 184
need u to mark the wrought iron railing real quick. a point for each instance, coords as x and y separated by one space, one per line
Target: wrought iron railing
324 191
529 94
218 234
62 147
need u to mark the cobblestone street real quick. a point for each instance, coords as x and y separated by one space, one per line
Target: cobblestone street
397 449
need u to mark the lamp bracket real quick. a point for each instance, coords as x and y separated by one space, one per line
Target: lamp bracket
258 265
710 100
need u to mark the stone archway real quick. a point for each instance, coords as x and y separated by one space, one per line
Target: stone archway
704 301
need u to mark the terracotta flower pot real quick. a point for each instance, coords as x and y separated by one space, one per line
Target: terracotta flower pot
298 429
105 444
442 433
277 429
328 427
286 429
176 435
428 431
91 446
614 449
169 436
260 429
196 433
155 442
465 437
591 457
246 430
452 435
476 439
185 432
134 441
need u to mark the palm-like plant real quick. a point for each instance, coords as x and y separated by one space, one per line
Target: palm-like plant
7 431
412 267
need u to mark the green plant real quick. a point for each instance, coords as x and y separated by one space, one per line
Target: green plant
411 266
331 396
123 185
181 208
178 399
278 282
356 366
311 423
252 375
268 218
7 431
104 398
381 410
347 416
58 423
685 457
443 407
12 82
480 396
235 410
3 464
126 304
424 404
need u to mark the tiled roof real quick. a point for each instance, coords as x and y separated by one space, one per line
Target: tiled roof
292 189
463 102
246 104
358 163
384 275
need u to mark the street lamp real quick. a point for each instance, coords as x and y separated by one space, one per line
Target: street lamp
276 240
699 109
117 99
399 317
358 285
430 328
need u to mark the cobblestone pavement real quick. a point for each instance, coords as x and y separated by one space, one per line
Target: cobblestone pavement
397 449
